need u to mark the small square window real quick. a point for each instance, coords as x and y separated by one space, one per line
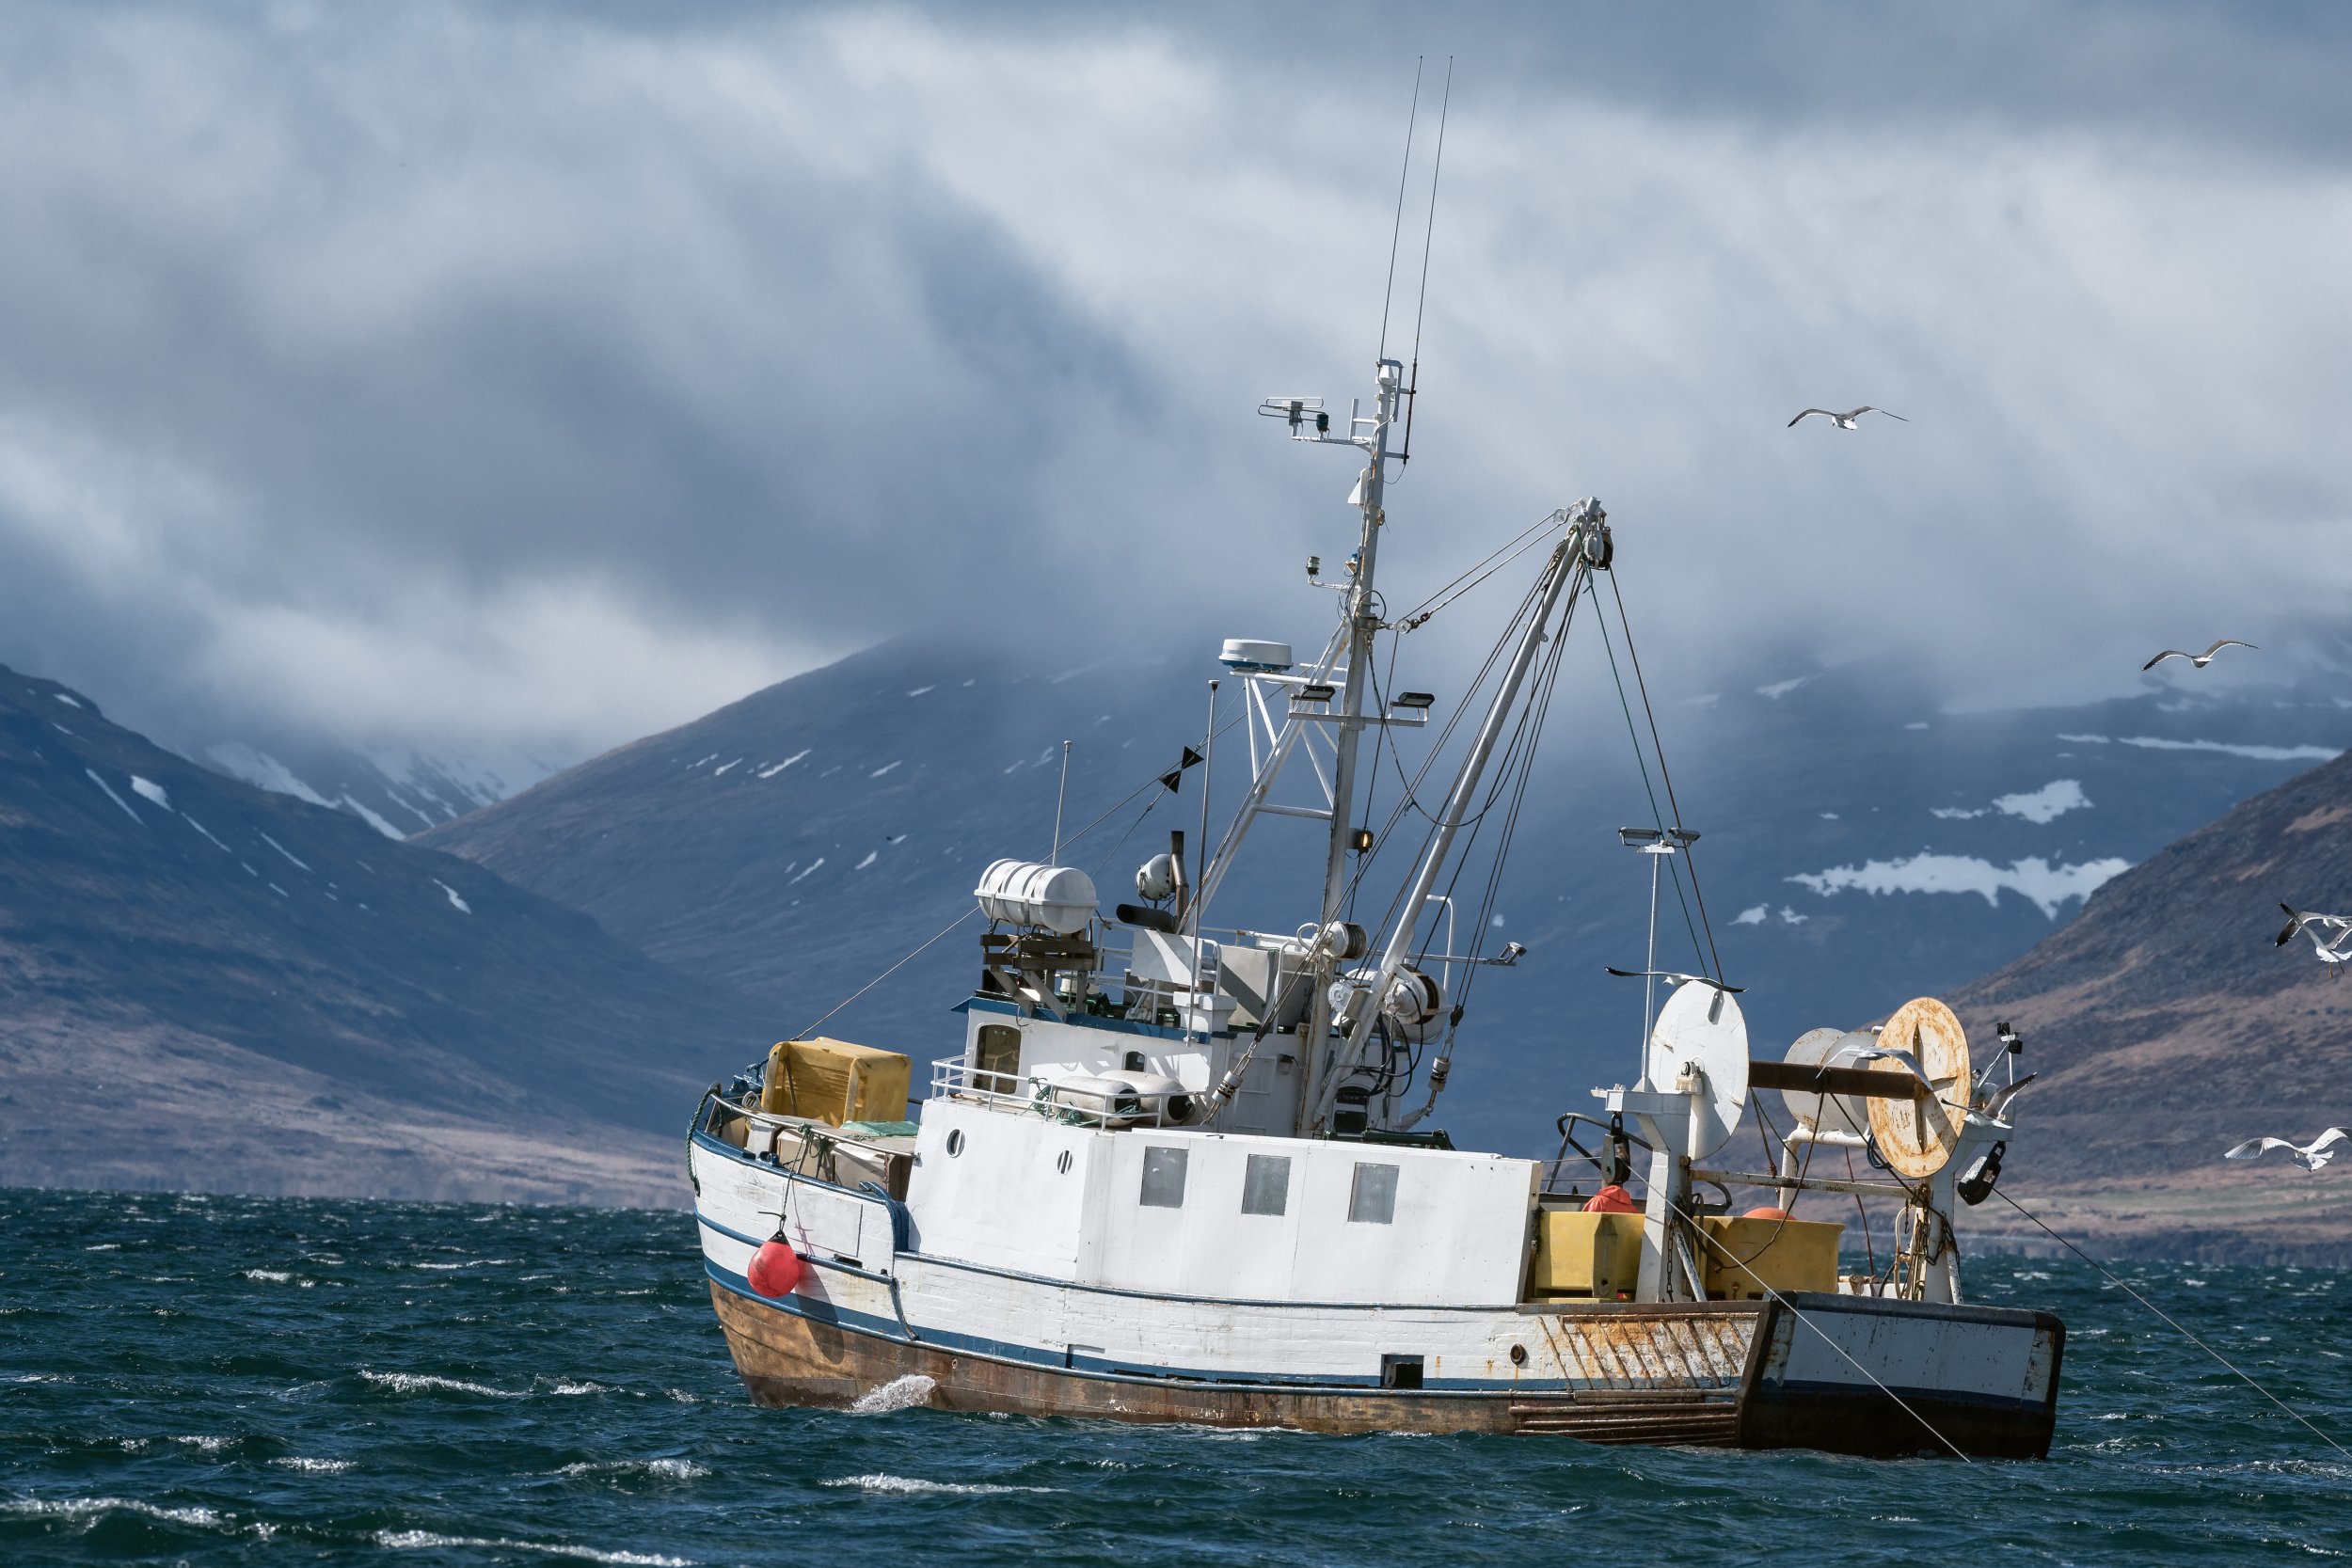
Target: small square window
1163 1178
1265 1185
1372 1199
1400 1371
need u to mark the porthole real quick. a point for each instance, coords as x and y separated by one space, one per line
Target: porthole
1061 1162
955 1143
1519 1355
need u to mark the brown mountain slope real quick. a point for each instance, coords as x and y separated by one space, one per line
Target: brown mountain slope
2167 1025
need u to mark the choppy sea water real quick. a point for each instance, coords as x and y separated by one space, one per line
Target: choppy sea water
218 1381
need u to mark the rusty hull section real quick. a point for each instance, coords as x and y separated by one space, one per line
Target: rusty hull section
1668 1375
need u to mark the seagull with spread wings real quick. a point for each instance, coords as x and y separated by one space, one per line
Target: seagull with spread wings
1845 420
2333 949
2199 660
2310 1156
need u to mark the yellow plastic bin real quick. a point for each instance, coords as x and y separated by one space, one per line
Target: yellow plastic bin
1739 1256
834 1081
1585 1255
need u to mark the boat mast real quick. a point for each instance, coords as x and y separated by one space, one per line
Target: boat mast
1359 613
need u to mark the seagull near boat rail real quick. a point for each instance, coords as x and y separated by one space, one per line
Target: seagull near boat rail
2332 950
1845 420
2310 1156
2199 660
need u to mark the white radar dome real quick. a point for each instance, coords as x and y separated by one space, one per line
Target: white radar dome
1247 655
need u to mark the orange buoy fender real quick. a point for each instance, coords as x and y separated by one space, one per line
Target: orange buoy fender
776 1270
1768 1212
1612 1199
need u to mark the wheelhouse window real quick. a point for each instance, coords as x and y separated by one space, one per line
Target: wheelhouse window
1163 1178
1373 1199
997 1062
1266 1184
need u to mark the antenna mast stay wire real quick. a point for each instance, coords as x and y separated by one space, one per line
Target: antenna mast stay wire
1396 229
1420 306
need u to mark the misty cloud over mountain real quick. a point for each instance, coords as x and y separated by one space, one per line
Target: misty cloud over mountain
436 375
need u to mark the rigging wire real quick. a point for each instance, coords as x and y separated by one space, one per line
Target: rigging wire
2184 1333
1699 1230
1421 308
1397 230
886 974
1643 761
1480 570
1642 686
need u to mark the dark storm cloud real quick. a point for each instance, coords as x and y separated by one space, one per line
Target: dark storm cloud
435 372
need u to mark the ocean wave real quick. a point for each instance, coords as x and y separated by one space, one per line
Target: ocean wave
418 1383
412 1539
91 1507
274 1277
666 1469
570 1387
900 1393
886 1485
315 1466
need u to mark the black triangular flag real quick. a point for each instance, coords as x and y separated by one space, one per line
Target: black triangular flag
1173 778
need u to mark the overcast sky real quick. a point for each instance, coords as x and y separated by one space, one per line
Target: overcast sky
546 375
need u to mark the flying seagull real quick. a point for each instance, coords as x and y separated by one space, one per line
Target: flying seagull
2201 661
1845 420
2335 949
2310 1156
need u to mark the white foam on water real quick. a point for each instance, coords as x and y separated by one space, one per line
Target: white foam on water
667 1469
104 1246
883 1483
426 1540
569 1387
315 1466
275 1277
900 1393
91 1507
416 1382
208 1445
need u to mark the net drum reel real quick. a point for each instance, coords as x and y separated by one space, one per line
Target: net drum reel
1845 1114
1918 1133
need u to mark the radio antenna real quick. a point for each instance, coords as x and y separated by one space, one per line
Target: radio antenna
1396 229
1412 380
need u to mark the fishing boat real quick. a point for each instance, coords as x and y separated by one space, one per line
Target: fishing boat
1182 1173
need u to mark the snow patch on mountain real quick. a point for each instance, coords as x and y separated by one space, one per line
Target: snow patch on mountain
372 820
116 799
462 907
2045 885
262 771
150 789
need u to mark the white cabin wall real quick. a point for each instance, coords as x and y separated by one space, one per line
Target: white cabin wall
1002 1201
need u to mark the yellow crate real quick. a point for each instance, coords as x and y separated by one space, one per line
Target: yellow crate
836 1081
1788 1255
1585 1255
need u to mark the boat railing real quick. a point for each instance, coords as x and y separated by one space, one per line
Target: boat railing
1074 1103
